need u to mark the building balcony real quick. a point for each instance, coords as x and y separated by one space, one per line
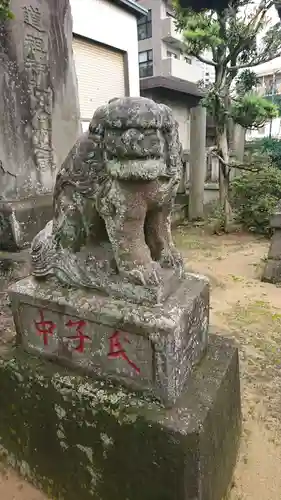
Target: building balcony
268 90
179 68
169 33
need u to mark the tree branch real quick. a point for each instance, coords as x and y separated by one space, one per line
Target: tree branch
203 60
252 167
257 62
253 27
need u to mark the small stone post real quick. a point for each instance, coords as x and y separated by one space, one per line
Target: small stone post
239 141
239 134
272 270
197 162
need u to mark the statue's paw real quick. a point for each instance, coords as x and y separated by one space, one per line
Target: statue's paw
171 258
145 275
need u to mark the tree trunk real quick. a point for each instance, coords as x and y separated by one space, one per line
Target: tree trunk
222 144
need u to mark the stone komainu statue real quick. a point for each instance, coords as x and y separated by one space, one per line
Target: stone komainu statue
113 199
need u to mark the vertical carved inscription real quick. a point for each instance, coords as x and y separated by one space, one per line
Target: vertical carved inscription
32 17
37 66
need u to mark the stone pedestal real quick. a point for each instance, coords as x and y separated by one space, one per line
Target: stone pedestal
80 438
272 270
111 300
150 348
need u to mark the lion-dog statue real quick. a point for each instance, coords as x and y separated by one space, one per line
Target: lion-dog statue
113 199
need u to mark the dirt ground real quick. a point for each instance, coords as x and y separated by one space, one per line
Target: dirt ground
248 311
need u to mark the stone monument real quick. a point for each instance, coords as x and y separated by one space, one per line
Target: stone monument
39 109
272 269
110 298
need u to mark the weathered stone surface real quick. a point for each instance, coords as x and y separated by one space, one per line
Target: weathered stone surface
10 231
79 438
32 214
272 269
39 112
146 347
275 246
113 201
272 272
275 221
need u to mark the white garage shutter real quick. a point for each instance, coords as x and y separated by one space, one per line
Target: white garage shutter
100 73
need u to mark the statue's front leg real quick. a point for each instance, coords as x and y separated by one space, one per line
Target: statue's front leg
159 238
125 228
69 231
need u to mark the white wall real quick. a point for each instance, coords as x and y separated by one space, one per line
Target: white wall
265 131
106 23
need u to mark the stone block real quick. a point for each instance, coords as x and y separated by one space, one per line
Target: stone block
272 269
76 437
272 272
275 246
32 213
275 221
146 347
10 232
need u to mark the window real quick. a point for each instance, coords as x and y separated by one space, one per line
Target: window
172 54
146 63
145 27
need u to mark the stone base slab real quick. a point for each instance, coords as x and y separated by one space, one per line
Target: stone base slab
272 272
150 348
32 215
81 438
272 269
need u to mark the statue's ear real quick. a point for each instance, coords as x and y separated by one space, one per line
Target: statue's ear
113 99
96 129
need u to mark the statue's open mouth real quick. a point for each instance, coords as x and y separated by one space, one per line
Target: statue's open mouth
146 169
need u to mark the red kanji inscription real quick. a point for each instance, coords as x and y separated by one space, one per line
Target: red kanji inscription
79 334
45 328
116 350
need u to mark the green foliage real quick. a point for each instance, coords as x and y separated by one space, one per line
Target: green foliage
5 12
215 105
230 37
216 218
246 81
252 111
255 196
201 33
236 38
269 146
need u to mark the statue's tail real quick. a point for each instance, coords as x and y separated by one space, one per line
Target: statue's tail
43 252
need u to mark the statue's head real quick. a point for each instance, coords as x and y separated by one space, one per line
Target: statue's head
139 137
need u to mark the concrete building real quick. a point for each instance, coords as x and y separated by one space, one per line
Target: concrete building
105 46
167 74
161 47
270 87
170 76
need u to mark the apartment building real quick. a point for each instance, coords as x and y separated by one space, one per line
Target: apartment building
161 49
167 73
269 86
